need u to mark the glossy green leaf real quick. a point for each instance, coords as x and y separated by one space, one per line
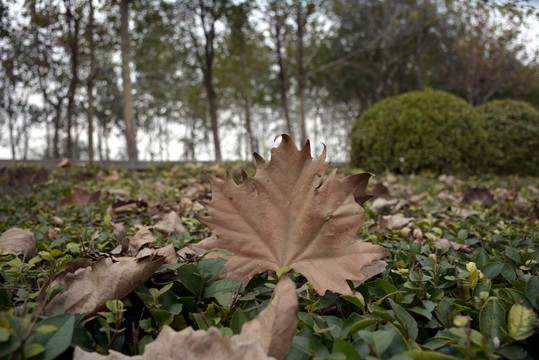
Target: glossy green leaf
493 269
238 319
405 319
33 349
508 273
532 291
210 268
223 286
345 348
355 323
482 259
356 299
428 355
55 342
492 319
190 278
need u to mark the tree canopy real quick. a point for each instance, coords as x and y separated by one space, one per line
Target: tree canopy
210 79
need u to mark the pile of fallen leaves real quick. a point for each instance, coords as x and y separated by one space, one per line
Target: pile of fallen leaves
286 259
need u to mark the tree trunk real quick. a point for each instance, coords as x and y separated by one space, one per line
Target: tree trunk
212 97
48 152
100 143
90 84
25 130
212 102
282 78
127 97
74 48
56 139
301 22
247 109
12 136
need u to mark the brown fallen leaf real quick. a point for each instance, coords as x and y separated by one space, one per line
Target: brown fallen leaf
511 197
168 252
381 191
448 179
373 269
461 212
57 221
51 234
113 176
445 195
170 224
142 237
276 325
394 222
18 242
268 336
291 215
125 207
418 234
187 255
197 207
88 288
81 196
186 204
187 344
120 193
119 230
446 244
122 243
382 205
62 163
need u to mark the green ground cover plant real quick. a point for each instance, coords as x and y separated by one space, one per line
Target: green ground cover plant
461 278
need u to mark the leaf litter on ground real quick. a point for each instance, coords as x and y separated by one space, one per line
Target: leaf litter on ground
447 295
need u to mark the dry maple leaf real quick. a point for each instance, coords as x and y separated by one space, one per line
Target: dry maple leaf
89 287
268 336
142 237
170 224
81 196
18 241
446 244
168 252
290 214
188 344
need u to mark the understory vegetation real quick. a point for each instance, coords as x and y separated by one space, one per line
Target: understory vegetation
460 283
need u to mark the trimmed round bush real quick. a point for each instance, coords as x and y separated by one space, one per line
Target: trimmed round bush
419 131
513 136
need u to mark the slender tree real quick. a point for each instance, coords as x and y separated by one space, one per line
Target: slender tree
244 72
73 16
204 15
277 13
303 11
90 81
127 97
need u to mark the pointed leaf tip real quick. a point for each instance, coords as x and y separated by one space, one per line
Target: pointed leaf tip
259 160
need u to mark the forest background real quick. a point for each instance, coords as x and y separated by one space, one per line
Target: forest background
217 79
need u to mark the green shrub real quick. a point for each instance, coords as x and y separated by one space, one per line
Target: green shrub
513 136
419 131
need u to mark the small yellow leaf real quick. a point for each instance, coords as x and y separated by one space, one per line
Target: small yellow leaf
45 329
283 270
521 320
